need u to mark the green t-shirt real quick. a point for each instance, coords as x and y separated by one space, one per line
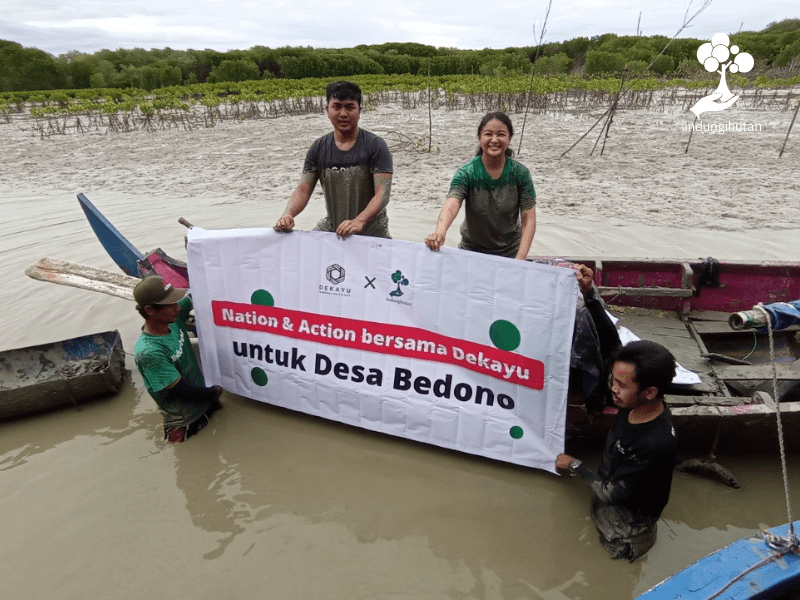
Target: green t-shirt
161 359
492 221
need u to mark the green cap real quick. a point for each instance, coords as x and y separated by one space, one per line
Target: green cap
153 290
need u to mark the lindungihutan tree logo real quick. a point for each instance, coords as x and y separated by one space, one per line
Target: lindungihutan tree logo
719 56
397 277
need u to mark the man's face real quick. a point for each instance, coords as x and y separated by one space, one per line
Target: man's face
164 313
624 388
344 115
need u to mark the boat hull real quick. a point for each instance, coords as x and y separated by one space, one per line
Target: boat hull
121 251
47 376
127 256
749 560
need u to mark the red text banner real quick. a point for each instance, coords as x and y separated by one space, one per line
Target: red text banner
383 338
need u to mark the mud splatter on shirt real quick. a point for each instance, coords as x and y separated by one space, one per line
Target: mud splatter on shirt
348 181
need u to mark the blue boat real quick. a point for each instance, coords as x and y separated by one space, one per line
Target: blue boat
127 256
118 247
748 568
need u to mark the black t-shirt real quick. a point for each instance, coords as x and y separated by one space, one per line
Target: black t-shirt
638 461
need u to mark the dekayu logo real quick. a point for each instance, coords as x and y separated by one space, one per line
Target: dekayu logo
335 275
720 54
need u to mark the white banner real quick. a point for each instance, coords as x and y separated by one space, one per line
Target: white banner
454 348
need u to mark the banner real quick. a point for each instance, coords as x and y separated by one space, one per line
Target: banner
453 348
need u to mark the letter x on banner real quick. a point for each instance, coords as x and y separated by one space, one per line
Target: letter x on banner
453 348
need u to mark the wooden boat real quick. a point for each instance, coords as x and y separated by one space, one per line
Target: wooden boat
758 567
683 304
686 306
127 256
48 376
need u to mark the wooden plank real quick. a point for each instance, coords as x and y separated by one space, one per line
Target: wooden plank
677 400
717 327
83 277
668 325
744 410
786 372
696 411
672 333
724 358
704 351
645 292
690 359
686 276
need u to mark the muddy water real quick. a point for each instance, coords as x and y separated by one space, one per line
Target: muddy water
270 503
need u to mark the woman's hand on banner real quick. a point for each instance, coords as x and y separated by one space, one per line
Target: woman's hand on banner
435 241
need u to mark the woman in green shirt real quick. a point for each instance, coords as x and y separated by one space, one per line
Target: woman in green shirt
499 196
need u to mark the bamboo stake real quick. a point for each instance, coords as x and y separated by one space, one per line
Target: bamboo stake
535 58
686 23
790 129
430 115
690 137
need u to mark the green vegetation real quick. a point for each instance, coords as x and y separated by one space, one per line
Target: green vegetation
198 105
28 69
129 90
269 90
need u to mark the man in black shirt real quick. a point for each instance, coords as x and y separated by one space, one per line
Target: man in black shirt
632 486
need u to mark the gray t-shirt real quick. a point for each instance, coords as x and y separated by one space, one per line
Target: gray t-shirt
492 221
347 179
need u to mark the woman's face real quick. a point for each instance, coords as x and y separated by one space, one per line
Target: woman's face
494 139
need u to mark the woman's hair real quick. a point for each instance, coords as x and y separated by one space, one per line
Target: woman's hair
505 120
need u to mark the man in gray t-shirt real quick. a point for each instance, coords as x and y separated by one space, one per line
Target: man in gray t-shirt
354 167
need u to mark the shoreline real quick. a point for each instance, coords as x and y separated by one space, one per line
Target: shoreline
732 182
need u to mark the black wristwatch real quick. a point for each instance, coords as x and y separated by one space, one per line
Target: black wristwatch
574 464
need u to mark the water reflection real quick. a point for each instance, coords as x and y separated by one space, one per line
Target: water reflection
263 474
110 418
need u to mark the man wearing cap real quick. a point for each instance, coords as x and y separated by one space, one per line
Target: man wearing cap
166 360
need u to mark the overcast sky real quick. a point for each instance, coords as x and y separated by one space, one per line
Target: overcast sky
91 25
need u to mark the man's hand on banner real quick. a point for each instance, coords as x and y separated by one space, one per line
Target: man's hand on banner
285 223
585 276
563 460
349 227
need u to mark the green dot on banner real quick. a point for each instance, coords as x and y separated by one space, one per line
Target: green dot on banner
262 297
259 376
505 335
516 432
